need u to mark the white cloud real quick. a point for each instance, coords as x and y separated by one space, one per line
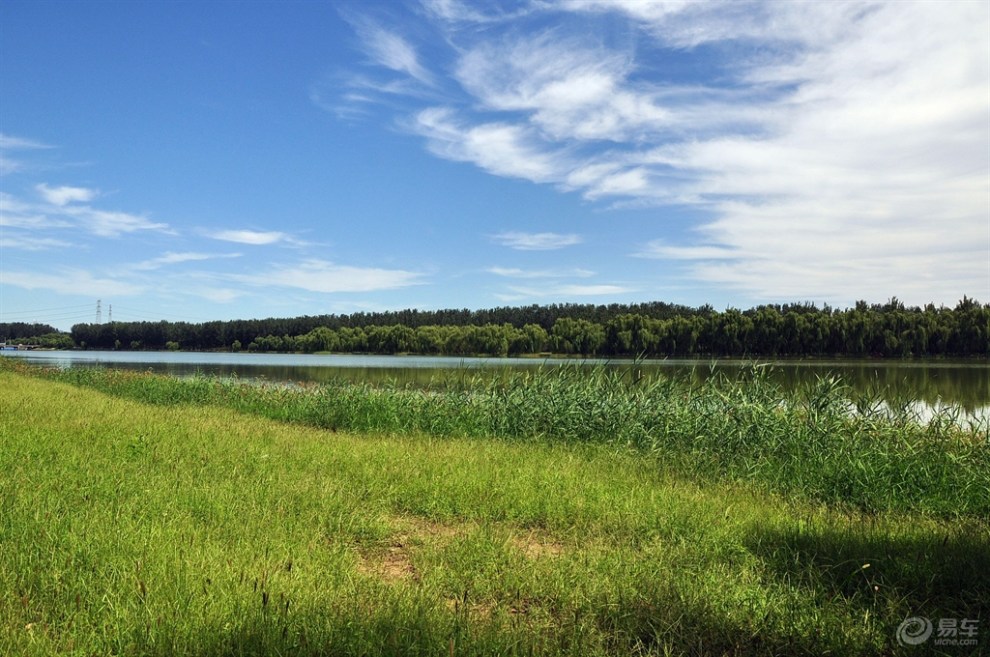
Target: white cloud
71 281
20 143
389 49
837 148
515 272
10 143
111 224
170 258
217 294
29 243
316 275
253 237
562 291
874 179
64 195
472 14
535 241
689 23
500 148
659 250
575 114
590 290
62 210
569 88
15 213
451 10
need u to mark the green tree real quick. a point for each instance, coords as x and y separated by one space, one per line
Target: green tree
577 336
321 338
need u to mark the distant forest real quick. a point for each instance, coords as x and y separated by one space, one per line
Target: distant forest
656 329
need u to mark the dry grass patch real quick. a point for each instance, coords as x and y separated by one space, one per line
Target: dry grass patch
391 565
537 545
424 530
393 560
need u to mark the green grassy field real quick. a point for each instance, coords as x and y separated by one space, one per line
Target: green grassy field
156 517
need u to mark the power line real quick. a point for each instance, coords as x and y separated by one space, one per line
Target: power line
85 314
75 313
47 315
44 319
36 311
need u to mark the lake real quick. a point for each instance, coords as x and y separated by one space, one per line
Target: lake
966 384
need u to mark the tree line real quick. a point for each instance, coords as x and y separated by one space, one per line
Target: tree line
41 335
616 330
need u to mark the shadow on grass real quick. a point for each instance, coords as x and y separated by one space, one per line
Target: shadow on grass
948 571
890 576
368 631
657 621
696 628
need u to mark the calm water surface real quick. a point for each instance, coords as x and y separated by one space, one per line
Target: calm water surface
966 384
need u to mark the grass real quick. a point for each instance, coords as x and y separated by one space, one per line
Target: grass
808 443
157 517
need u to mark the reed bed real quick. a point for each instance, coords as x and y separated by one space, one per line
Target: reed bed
820 442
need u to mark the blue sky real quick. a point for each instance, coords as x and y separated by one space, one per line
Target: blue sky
221 160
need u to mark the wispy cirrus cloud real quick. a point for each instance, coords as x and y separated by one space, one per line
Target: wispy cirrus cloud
65 194
503 149
543 284
568 88
522 241
515 272
71 281
316 275
564 290
170 258
104 223
820 144
251 237
67 207
660 250
689 24
10 144
218 294
576 290
394 70
473 14
386 47
17 213
31 243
